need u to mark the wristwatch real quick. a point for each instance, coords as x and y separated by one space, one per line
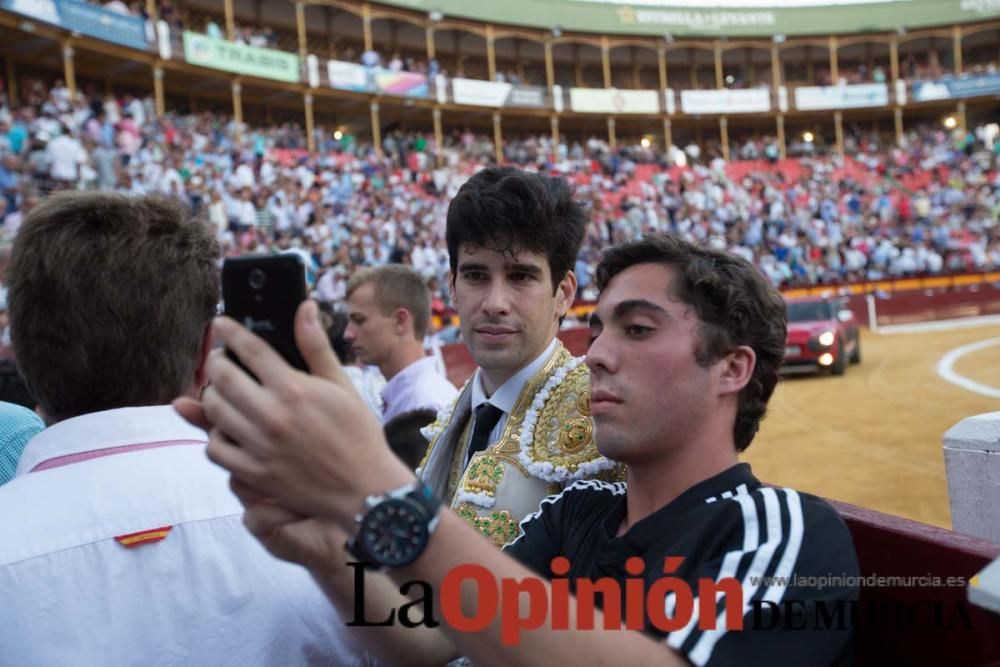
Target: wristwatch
396 526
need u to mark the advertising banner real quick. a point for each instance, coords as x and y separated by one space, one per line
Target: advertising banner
95 21
480 93
498 94
347 76
809 98
85 18
715 18
43 10
612 100
950 87
528 96
754 100
409 84
241 58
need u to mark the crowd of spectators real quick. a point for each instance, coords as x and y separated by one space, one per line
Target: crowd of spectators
260 37
927 207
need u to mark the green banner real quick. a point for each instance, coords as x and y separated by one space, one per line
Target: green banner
240 58
724 19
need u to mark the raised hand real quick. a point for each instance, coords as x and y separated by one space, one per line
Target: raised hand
304 441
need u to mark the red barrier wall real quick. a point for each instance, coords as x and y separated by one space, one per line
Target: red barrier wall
891 546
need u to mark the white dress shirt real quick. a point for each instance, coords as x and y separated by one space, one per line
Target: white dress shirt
419 386
66 154
206 594
506 394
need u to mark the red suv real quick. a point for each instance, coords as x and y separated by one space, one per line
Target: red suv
822 333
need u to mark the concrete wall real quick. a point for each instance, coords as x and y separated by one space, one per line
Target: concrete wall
972 464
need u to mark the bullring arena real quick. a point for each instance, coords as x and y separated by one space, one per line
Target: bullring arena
849 150
873 436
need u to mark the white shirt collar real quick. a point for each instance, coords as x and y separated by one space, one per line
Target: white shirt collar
506 394
109 428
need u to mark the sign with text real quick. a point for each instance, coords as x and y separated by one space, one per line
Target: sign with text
612 100
951 87
240 58
498 94
809 98
95 21
347 76
43 10
754 100
528 96
480 93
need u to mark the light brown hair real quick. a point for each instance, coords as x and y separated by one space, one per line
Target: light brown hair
110 297
397 286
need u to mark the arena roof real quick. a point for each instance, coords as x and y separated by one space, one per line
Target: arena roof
713 17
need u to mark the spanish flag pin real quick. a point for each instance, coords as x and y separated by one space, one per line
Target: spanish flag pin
143 537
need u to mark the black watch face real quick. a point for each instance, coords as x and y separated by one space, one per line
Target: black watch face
394 532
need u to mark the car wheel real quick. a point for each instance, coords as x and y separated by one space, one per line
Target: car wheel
856 355
839 362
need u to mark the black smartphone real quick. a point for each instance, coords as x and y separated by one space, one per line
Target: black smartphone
262 294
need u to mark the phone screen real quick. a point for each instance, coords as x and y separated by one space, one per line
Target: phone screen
263 294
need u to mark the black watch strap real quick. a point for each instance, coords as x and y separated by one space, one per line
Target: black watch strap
418 493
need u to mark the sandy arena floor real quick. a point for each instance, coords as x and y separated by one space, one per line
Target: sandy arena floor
873 436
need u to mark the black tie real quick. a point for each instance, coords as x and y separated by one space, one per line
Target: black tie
487 416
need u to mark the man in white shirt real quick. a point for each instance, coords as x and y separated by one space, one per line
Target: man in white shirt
65 155
246 213
133 550
389 309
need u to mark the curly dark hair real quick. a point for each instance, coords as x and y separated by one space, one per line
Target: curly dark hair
508 209
734 304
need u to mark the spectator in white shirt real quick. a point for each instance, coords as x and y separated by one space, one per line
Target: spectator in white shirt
66 155
331 286
117 6
246 212
243 177
135 107
389 310
217 212
134 547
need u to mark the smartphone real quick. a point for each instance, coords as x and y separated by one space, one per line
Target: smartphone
262 294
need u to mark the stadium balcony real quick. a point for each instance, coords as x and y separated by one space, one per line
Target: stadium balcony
664 77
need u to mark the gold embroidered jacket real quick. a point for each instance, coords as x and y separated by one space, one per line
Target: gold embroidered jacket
547 444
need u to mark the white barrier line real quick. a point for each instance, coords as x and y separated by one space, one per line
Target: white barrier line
939 325
946 372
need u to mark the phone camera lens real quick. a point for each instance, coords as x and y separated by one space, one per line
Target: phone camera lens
257 278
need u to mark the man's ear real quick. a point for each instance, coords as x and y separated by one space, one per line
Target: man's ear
402 321
736 369
200 371
566 293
